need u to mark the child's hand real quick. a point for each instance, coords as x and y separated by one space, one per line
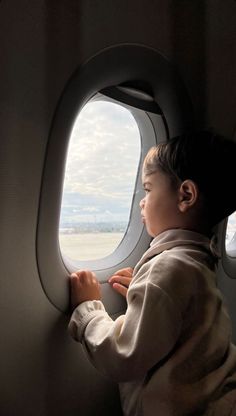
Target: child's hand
121 280
84 286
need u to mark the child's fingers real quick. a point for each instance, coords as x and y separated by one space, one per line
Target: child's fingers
74 280
84 287
83 276
128 271
123 280
122 290
122 276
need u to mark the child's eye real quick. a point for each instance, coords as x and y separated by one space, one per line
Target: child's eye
146 190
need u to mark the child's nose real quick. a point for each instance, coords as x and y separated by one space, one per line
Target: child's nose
141 203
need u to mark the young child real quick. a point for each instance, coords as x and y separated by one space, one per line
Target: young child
171 352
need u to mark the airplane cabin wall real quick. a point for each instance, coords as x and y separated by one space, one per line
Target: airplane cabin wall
42 43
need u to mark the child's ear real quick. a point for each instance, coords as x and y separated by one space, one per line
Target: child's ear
188 195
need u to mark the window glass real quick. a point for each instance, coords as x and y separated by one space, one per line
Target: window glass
101 169
230 241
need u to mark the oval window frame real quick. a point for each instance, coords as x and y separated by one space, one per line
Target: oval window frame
110 67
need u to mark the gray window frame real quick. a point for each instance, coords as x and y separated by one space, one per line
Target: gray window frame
111 67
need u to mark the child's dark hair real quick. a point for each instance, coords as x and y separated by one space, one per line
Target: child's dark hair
207 159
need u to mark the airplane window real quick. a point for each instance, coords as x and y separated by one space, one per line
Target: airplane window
136 99
230 241
100 175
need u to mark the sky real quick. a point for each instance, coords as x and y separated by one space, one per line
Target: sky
102 162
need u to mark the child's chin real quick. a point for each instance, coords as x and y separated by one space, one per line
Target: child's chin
151 233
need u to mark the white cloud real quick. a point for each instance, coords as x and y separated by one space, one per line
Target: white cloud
103 154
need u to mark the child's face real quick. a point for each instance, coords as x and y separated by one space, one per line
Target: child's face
159 207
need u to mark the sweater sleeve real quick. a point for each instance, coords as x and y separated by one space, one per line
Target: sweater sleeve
125 349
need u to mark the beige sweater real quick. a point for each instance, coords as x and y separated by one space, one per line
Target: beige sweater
171 352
